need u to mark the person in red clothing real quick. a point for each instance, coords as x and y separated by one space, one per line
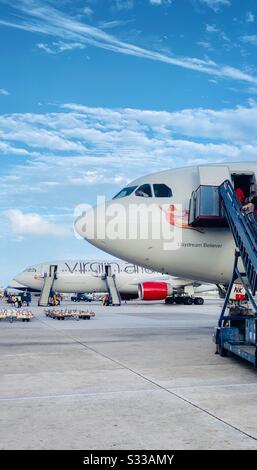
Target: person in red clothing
240 194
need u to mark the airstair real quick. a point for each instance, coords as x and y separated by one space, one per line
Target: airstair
216 205
244 229
115 298
49 279
237 330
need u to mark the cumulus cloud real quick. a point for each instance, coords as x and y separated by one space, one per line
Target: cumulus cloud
87 135
33 224
97 146
118 145
40 18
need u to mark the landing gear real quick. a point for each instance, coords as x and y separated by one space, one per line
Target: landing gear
184 299
188 301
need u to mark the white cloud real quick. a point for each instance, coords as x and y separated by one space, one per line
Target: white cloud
7 149
36 132
249 17
112 24
250 39
118 145
33 224
4 92
161 2
228 124
215 5
212 28
123 4
92 146
96 137
60 46
88 11
44 19
206 45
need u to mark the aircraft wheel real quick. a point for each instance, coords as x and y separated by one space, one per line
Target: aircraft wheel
169 300
198 301
188 301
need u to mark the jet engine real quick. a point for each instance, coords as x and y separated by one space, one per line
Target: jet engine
154 290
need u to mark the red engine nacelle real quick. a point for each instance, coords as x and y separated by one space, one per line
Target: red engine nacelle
154 290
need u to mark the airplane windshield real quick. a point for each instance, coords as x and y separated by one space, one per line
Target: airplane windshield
144 191
31 270
125 192
161 190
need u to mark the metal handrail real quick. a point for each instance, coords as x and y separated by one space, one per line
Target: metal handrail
244 230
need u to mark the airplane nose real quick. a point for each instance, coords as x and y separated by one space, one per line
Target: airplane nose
21 279
91 225
85 224
98 226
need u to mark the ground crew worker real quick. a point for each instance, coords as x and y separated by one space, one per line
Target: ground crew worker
106 300
19 301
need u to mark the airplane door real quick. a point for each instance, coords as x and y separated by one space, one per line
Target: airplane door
213 175
52 270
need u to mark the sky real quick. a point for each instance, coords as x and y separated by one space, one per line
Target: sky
95 93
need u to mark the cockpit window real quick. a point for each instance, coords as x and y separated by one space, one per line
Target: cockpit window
161 190
125 192
144 191
31 270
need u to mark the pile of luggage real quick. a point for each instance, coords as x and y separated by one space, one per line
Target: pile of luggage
12 314
70 314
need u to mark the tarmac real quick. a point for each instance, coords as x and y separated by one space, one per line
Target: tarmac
139 376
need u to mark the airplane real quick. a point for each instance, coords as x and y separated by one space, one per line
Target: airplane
16 287
194 241
132 281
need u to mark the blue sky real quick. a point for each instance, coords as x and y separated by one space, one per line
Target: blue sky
94 93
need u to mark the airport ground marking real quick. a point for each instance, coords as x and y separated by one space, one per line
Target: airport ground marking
156 384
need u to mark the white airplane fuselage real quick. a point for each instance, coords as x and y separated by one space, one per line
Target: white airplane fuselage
202 254
88 276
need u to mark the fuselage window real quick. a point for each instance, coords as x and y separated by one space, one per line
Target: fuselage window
161 190
144 191
125 192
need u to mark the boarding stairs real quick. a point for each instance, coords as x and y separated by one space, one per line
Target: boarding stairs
49 279
244 229
237 330
115 298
